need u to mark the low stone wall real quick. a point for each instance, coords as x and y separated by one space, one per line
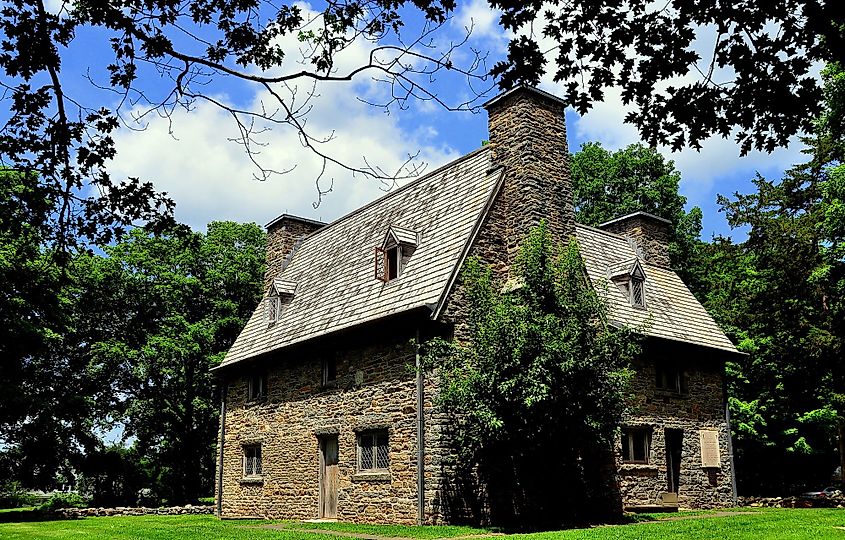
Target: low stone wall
75 513
792 502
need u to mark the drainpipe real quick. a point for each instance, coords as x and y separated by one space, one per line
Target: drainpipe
730 439
420 437
223 391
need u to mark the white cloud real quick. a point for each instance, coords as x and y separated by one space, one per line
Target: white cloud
483 20
211 178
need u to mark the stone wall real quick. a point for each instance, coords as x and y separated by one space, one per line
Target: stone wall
282 235
375 388
701 408
652 235
76 513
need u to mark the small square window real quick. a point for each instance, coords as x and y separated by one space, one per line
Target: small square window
252 461
257 387
329 371
636 445
373 450
670 378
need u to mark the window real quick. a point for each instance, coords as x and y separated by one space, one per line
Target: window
637 292
636 444
274 309
252 460
670 378
257 387
388 263
373 450
329 371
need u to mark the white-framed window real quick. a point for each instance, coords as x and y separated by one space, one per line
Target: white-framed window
274 308
637 291
256 386
388 263
670 378
636 444
373 450
252 460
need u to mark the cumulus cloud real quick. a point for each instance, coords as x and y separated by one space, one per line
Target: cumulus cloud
211 178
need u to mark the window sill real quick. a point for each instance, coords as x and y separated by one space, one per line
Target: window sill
671 394
256 401
635 468
252 480
372 476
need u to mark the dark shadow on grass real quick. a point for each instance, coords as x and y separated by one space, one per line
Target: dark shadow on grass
28 515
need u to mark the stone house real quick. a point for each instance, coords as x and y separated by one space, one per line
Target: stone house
323 414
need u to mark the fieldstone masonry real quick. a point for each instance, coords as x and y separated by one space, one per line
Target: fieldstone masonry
651 234
376 385
282 235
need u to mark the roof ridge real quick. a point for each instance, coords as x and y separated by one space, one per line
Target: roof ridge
400 189
596 229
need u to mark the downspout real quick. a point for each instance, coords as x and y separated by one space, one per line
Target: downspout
730 440
223 392
420 436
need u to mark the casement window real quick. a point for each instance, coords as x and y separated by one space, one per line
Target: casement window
636 445
630 278
637 292
396 249
668 377
373 450
252 461
329 371
281 295
256 387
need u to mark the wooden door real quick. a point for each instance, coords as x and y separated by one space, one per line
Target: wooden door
328 477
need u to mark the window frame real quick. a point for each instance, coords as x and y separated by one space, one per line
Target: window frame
257 463
674 377
373 435
261 394
329 368
629 435
637 283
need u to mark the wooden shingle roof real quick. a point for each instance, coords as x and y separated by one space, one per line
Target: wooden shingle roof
671 311
334 268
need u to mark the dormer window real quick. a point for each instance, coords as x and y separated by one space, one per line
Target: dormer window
630 279
281 294
398 246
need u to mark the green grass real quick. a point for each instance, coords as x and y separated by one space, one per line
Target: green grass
440 531
786 524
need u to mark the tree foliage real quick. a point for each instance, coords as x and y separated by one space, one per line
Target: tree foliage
139 327
541 373
780 294
688 69
607 185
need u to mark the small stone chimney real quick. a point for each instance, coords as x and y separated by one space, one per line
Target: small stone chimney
282 234
650 233
528 137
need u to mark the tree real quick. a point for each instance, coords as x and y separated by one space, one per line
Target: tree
541 369
780 294
607 185
177 304
62 144
760 59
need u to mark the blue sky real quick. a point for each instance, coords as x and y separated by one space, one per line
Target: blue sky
194 159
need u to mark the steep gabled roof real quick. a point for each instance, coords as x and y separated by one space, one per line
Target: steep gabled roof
671 311
334 268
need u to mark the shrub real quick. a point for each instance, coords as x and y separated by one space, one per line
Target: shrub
207 501
63 500
13 495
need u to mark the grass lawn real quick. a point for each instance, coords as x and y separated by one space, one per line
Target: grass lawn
815 524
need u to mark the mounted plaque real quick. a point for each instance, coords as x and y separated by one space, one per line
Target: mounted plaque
709 448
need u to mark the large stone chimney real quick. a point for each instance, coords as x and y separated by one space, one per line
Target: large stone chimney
282 235
528 137
651 234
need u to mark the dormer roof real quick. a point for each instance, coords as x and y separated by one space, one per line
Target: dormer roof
400 236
